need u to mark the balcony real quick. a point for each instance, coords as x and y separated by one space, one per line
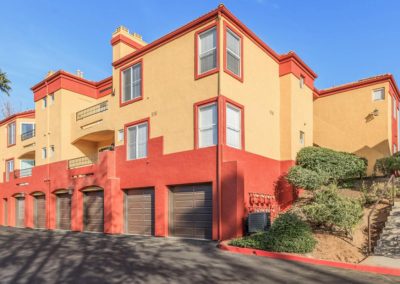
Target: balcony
27 135
23 173
82 162
101 107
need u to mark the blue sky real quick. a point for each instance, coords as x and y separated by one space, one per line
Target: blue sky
340 40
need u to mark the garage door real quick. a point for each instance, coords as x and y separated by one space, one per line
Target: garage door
5 212
63 211
40 211
94 211
20 212
191 211
139 211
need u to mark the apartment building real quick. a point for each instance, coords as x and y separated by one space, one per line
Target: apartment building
176 142
359 117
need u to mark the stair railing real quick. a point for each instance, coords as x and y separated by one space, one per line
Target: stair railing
383 193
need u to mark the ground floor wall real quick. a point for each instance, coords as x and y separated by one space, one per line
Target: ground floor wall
232 174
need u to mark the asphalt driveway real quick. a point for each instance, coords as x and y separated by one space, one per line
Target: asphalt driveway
30 256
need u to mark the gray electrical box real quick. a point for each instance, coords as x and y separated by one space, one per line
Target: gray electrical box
258 222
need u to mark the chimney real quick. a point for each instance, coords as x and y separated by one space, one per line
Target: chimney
123 42
79 73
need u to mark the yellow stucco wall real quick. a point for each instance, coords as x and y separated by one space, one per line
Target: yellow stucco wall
342 122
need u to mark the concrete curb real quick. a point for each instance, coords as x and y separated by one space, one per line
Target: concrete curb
298 258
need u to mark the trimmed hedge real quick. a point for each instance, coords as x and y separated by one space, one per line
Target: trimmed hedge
336 165
305 178
387 165
333 211
288 233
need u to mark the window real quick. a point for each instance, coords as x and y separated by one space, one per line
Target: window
9 168
137 141
233 126
208 125
233 52
27 127
44 153
378 94
44 102
207 51
132 83
301 81
302 138
52 150
11 134
26 167
51 99
120 135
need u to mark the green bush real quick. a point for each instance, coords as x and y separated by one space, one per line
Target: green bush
333 211
288 233
304 178
336 165
387 165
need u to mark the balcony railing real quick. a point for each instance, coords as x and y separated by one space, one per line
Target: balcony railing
81 162
23 173
28 135
101 107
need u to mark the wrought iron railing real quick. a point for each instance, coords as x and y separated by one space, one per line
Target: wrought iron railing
82 161
28 135
101 107
23 173
387 192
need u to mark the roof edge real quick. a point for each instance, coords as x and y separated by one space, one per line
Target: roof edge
17 115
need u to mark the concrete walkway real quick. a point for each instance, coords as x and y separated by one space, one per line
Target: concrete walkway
28 256
376 260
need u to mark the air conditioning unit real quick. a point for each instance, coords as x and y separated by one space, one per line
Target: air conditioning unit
258 222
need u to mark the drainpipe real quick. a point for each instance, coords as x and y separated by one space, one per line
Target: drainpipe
219 135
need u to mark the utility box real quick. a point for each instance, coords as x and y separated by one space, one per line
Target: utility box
258 222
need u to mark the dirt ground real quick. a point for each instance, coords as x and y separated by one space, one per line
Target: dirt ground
340 248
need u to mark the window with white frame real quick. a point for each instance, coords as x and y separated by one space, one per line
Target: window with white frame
137 141
301 82
26 167
233 52
378 94
120 135
132 83
302 138
51 96
27 127
11 134
207 125
233 126
9 168
44 153
52 150
207 50
44 102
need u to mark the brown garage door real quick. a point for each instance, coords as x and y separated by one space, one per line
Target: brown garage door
20 212
139 211
191 211
63 211
5 212
40 211
94 211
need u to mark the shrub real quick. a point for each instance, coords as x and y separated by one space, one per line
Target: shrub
330 210
287 234
387 165
337 165
305 178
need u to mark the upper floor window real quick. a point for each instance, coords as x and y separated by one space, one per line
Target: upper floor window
137 137
233 52
302 138
120 135
208 125
378 94
51 96
52 150
132 83
233 126
11 134
301 82
44 102
44 153
207 51
9 168
27 127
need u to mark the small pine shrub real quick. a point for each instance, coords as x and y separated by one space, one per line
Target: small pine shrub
306 179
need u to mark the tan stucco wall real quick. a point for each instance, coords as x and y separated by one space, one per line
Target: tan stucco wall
340 123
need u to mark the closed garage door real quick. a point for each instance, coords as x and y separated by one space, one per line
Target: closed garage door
5 212
20 212
191 211
63 211
94 211
139 211
40 211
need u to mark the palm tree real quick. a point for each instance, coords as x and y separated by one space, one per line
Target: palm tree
4 83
